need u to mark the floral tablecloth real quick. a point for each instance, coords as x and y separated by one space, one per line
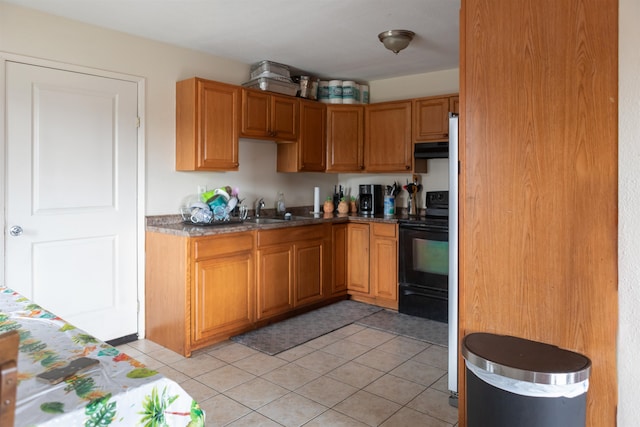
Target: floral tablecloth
119 391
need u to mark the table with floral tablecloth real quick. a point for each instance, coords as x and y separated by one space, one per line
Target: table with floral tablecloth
118 391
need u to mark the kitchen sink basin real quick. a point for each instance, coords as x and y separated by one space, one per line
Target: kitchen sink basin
298 218
262 220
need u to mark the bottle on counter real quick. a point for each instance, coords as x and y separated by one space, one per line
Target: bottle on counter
338 195
280 204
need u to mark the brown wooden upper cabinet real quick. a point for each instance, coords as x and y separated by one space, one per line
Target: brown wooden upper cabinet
454 104
308 154
431 117
345 138
311 136
387 137
269 116
207 116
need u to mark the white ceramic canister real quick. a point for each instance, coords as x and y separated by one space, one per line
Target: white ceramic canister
335 91
349 92
323 91
364 94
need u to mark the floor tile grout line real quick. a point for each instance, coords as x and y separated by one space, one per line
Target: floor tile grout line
406 358
337 403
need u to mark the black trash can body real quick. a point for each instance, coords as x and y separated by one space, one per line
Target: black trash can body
511 382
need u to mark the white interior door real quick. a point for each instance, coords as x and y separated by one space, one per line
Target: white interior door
71 196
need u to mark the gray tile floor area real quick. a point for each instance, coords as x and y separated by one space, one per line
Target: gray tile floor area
354 376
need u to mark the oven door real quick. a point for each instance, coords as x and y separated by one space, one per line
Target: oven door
423 256
423 270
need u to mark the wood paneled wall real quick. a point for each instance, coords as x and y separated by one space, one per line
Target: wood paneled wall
538 144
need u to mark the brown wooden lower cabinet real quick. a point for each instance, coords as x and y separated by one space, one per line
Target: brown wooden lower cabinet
201 290
275 278
358 260
384 263
373 263
293 268
223 296
310 276
198 290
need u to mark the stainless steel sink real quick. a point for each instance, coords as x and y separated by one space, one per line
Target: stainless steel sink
262 220
299 218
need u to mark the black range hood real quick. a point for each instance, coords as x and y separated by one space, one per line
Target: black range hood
431 150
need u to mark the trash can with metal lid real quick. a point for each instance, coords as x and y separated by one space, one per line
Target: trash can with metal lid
512 381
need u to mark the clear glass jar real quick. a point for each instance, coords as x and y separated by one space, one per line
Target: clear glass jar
280 204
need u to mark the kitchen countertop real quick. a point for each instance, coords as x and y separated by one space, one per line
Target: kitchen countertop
173 224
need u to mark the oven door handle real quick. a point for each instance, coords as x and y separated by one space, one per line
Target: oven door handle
421 227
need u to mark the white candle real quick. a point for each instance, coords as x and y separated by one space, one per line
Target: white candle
316 199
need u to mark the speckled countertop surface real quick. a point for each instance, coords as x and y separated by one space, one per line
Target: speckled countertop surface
173 224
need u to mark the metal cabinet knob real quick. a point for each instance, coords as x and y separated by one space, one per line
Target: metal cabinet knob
16 230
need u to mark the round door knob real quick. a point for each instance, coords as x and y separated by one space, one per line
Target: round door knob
16 230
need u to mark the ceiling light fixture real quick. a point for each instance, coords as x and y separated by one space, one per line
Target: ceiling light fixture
396 40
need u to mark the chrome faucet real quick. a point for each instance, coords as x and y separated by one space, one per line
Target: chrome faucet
259 205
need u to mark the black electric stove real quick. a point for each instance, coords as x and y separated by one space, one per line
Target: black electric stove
436 212
424 260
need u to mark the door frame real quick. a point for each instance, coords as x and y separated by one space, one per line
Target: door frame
141 173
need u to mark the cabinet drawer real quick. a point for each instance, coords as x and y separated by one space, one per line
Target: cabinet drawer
384 230
208 247
291 234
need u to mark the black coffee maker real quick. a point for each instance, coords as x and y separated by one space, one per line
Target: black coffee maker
371 199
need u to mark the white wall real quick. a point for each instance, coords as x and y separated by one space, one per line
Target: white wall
34 34
29 33
436 83
629 215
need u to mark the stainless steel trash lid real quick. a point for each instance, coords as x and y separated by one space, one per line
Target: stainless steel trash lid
525 360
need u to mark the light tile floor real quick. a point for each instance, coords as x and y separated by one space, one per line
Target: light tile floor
354 376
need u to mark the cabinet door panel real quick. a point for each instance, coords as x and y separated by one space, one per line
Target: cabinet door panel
384 268
387 145
207 115
275 280
219 135
223 294
313 142
284 118
309 153
431 119
345 138
358 267
255 114
309 276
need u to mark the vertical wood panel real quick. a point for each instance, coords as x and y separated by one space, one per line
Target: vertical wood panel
167 319
539 179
